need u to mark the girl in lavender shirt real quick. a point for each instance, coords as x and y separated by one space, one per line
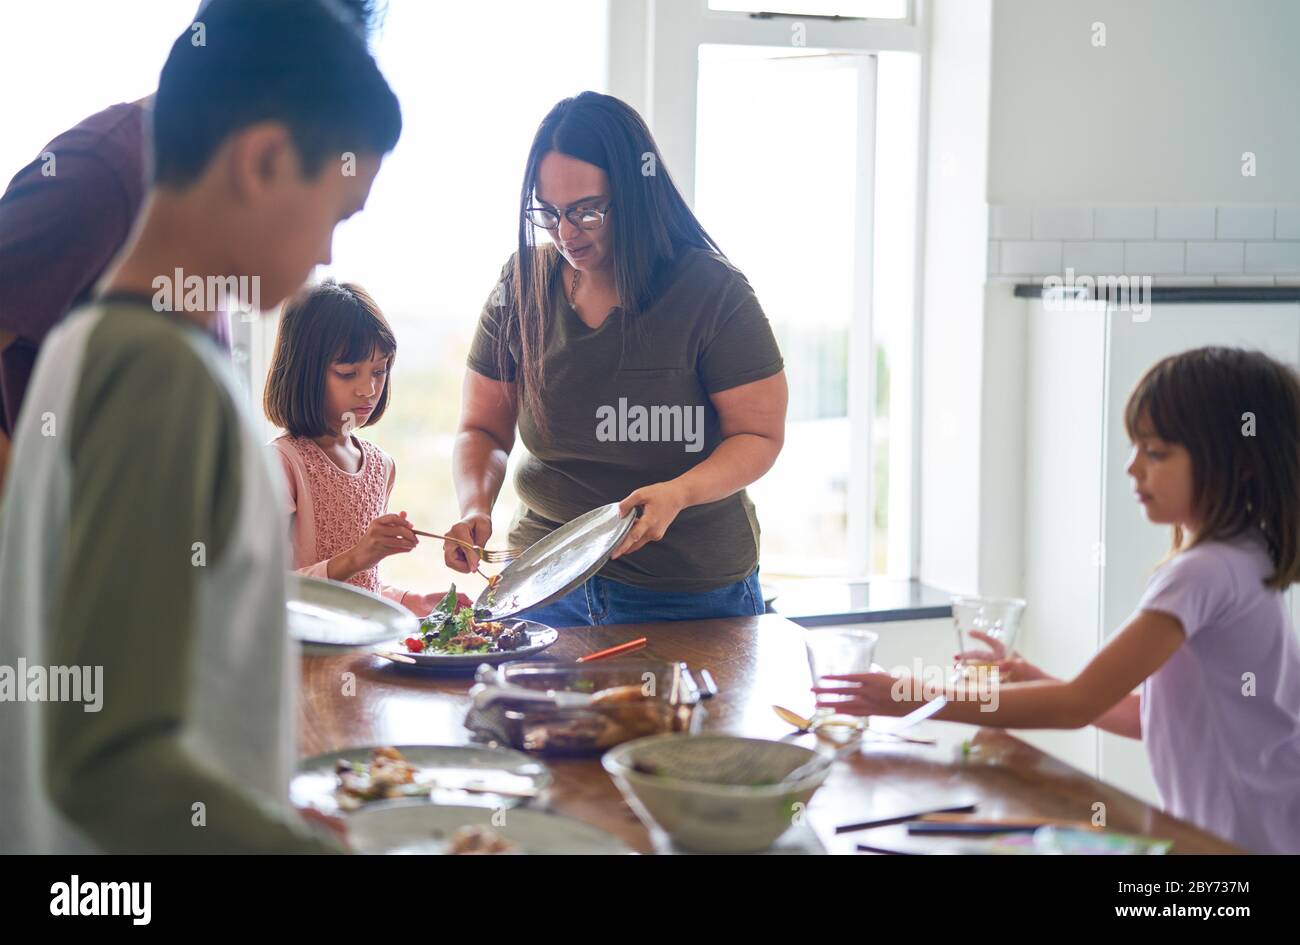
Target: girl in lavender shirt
1210 648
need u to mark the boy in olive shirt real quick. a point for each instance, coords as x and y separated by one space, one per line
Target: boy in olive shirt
141 527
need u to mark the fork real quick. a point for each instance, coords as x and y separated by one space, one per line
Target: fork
491 557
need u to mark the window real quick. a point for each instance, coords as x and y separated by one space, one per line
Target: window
63 60
797 141
441 220
782 138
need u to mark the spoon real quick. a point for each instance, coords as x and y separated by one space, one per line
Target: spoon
815 726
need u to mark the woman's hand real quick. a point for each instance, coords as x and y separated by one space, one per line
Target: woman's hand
475 528
424 604
659 505
867 694
387 535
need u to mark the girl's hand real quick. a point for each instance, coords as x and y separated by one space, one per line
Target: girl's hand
424 604
1011 667
387 535
866 694
996 651
659 505
475 528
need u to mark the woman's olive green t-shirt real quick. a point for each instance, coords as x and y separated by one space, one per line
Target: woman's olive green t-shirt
627 405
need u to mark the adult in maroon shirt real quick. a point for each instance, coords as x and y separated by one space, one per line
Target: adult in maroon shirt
64 218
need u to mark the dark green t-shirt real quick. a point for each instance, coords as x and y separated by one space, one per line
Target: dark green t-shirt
627 405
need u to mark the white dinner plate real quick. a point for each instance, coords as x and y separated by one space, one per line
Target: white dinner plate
539 635
328 616
428 828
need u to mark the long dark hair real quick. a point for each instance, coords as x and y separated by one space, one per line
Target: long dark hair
652 225
1237 413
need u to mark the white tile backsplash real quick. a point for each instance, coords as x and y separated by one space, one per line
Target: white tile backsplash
1062 223
1091 258
1245 223
1182 244
1212 257
1185 223
1288 223
1124 223
1037 257
1010 223
1153 258
1273 257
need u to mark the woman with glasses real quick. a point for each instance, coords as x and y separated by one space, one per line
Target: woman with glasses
639 368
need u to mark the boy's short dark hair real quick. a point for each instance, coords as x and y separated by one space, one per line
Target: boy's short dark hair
299 62
323 324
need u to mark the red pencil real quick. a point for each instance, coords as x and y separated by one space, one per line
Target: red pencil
614 650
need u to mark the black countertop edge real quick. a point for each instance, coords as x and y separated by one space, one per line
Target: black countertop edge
818 602
1191 293
871 616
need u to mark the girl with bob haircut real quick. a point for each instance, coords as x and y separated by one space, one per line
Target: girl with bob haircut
329 378
1210 648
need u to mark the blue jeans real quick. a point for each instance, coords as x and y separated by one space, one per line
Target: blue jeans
600 601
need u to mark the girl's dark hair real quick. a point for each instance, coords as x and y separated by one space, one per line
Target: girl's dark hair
1237 413
652 225
322 325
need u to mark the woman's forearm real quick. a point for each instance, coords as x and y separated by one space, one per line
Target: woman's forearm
478 465
738 461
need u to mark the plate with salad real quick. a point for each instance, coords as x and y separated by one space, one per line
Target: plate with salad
452 636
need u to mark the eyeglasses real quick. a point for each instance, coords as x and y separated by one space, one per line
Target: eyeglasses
584 218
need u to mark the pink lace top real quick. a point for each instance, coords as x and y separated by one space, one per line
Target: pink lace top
330 508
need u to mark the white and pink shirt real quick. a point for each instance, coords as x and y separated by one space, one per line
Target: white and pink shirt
331 508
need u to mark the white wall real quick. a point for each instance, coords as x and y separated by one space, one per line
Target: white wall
1157 116
1160 114
953 285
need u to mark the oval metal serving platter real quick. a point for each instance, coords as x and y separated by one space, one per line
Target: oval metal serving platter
556 564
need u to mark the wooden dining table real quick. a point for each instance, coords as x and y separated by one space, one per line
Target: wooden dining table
359 699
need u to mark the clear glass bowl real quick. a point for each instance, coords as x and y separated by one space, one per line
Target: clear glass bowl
633 698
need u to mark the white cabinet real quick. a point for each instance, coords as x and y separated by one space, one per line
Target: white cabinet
1088 548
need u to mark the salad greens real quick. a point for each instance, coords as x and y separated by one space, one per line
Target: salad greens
452 631
447 622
